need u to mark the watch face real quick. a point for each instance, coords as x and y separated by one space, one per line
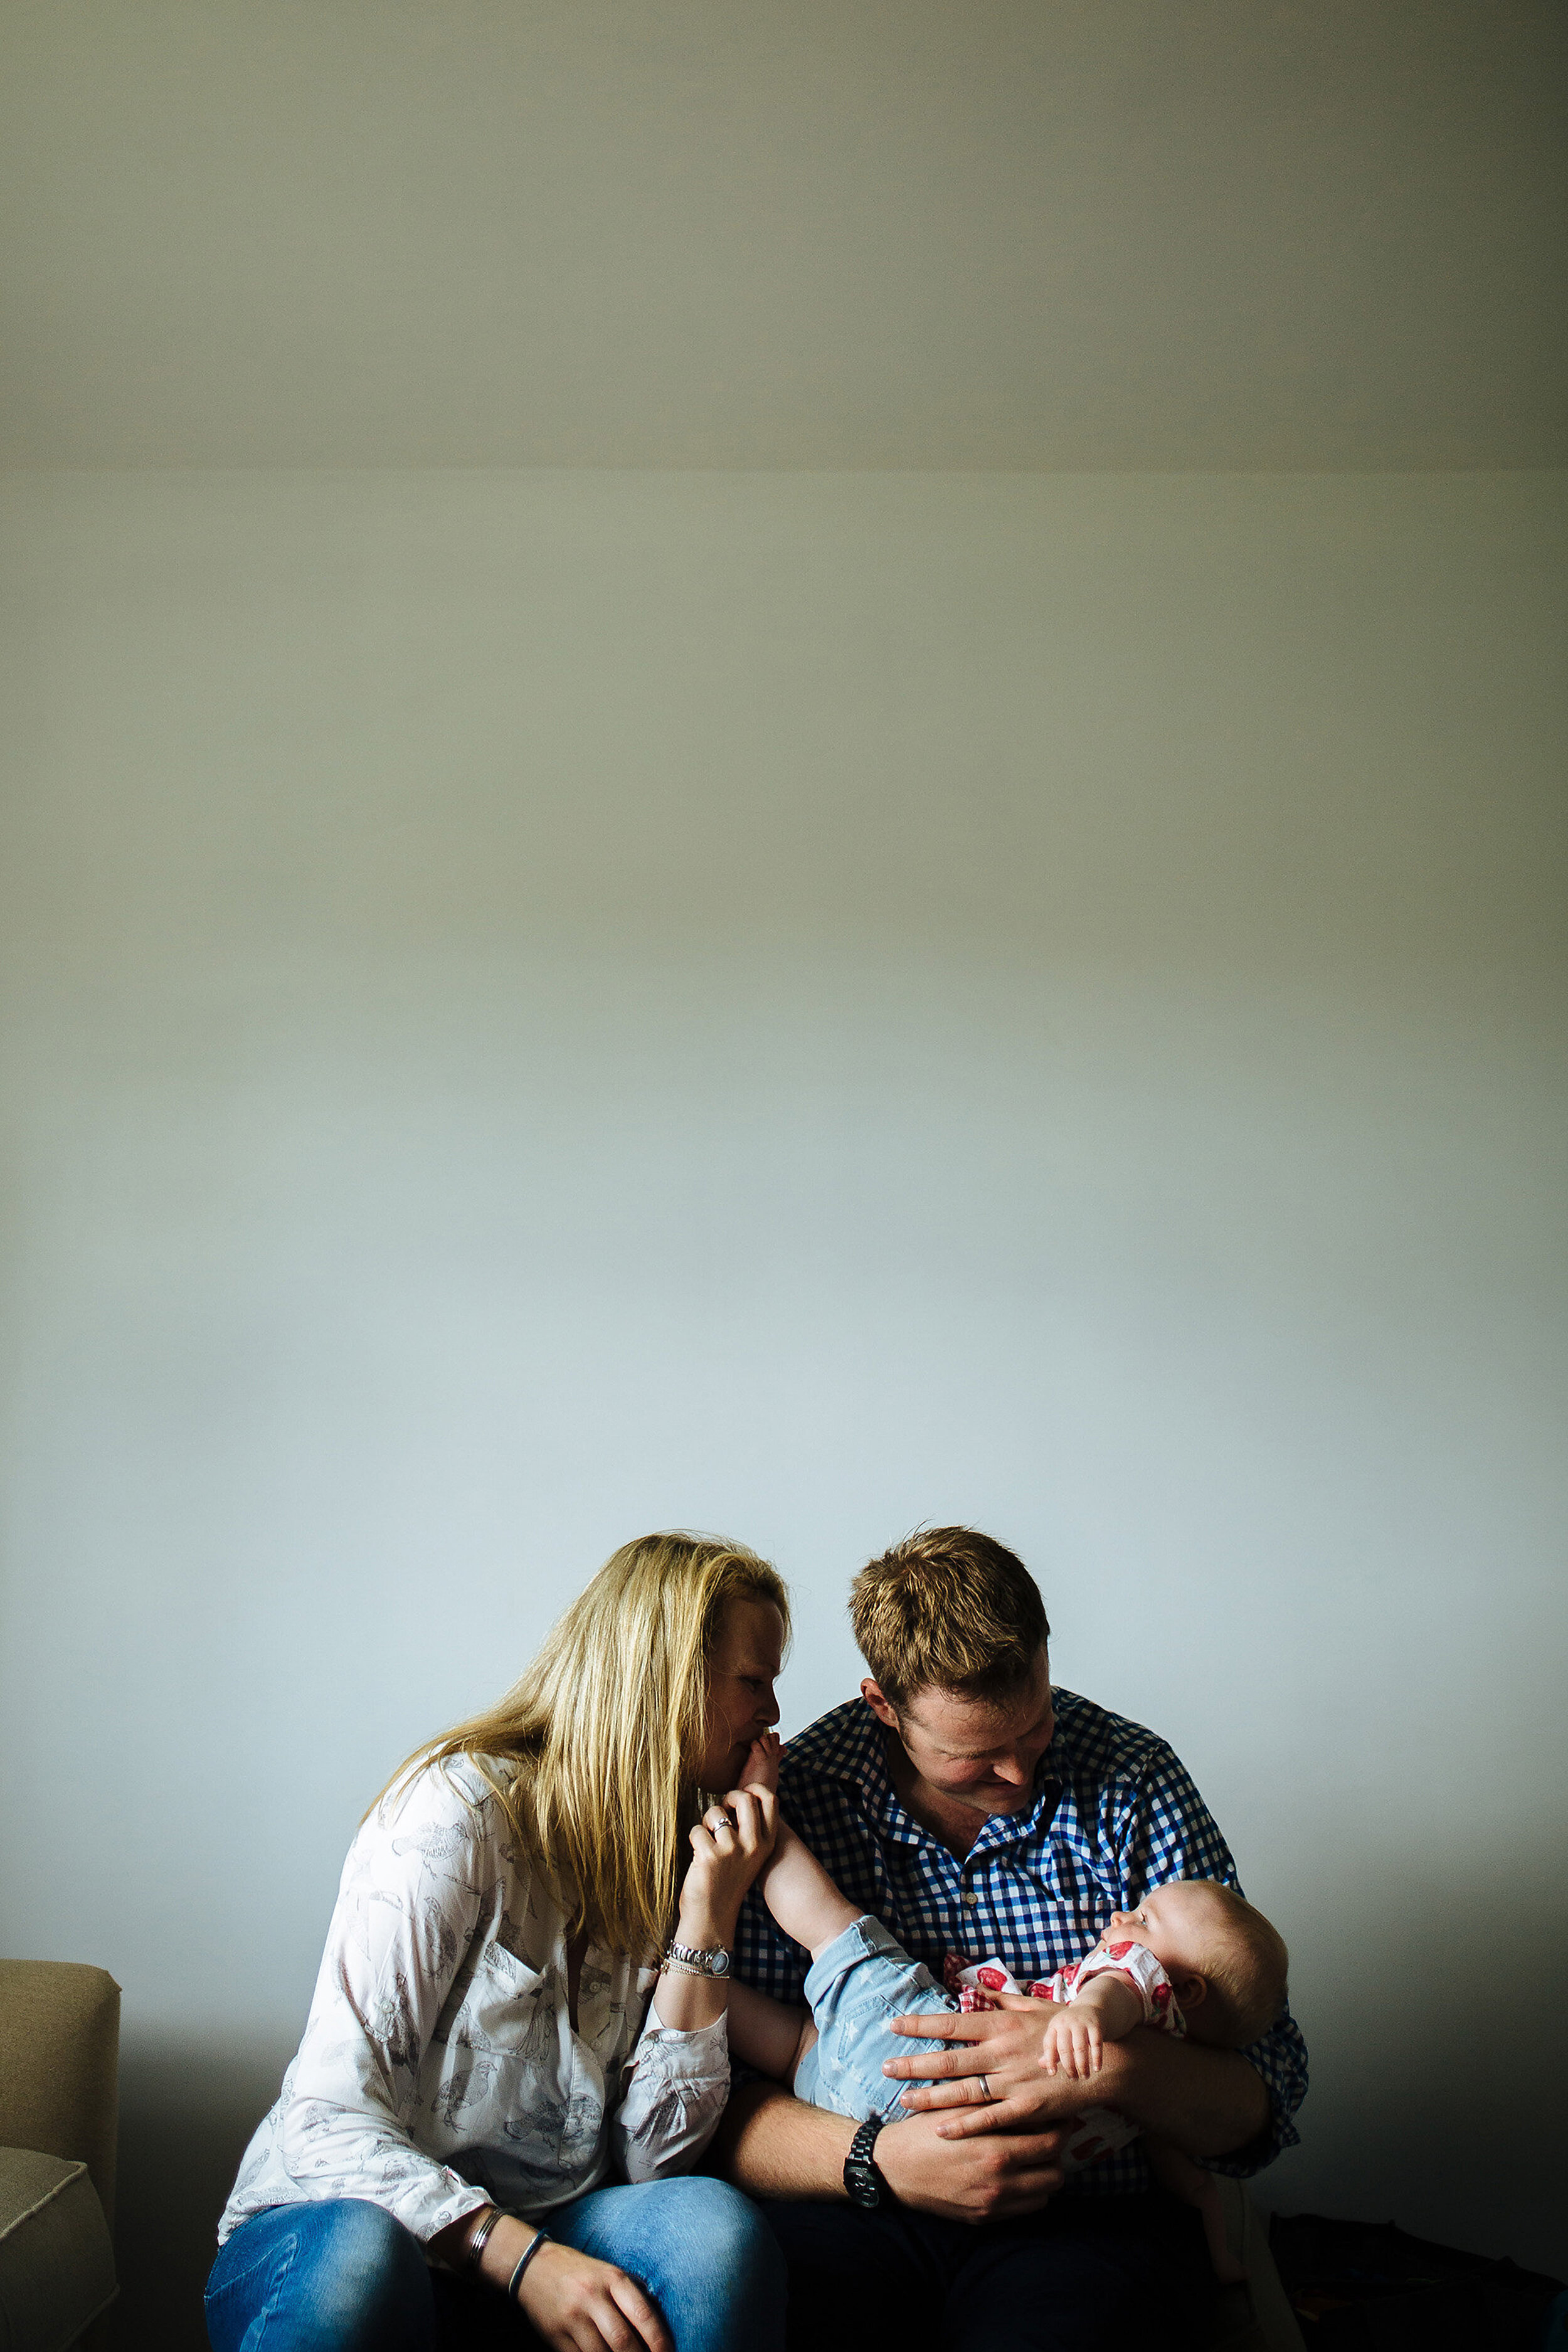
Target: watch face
719 1963
861 2184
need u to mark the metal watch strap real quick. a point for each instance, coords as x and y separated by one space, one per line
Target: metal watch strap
863 2182
689 1960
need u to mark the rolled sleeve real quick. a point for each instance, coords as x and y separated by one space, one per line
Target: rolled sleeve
674 2093
1280 2059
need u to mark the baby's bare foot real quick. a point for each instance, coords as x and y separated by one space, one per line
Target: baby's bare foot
761 1770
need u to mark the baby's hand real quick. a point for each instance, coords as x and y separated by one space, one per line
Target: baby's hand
761 1770
1073 2044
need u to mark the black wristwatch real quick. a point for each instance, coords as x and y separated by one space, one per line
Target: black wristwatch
863 2184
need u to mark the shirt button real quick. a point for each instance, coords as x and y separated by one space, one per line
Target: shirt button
970 1898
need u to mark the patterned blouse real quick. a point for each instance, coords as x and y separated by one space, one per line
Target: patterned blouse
439 2068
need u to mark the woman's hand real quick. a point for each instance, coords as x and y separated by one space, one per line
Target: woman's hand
729 1846
579 2305
576 2304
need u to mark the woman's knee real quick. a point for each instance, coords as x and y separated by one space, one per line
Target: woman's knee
725 2240
341 2276
374 2277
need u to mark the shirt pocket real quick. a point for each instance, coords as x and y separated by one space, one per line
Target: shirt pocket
1073 1904
505 2018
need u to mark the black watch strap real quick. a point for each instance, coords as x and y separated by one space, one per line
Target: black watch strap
863 2182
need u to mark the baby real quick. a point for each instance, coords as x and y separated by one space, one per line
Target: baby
1193 1960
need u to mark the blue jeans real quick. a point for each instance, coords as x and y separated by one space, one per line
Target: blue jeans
341 2275
856 1988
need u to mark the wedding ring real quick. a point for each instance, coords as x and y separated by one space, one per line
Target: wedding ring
985 2087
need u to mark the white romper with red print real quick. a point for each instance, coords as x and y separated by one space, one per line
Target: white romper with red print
1097 2131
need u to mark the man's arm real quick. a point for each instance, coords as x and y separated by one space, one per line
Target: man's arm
773 2145
1207 2102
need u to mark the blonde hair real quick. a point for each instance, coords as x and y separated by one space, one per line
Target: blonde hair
948 1608
1244 1963
594 1752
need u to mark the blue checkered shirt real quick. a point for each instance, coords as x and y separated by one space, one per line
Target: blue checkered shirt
1115 1816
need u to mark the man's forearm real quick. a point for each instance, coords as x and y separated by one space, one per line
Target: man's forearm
773 2145
776 2145
1208 2102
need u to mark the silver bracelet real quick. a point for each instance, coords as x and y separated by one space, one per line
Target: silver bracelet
669 1967
476 2242
529 2252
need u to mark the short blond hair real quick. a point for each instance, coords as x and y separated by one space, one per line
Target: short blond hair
1244 1963
948 1608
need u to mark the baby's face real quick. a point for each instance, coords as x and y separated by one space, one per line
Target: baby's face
1174 1922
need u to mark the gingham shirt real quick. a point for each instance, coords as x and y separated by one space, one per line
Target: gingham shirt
1115 1816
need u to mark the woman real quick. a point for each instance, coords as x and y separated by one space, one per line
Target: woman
477 2062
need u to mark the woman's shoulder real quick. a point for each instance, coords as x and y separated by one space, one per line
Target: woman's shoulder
447 1807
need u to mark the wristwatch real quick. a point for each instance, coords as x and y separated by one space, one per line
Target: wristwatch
863 2184
692 1961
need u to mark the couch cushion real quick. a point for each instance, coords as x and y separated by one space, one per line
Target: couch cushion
56 2263
59 2041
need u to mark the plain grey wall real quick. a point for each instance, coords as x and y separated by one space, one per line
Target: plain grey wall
1152 234
538 1006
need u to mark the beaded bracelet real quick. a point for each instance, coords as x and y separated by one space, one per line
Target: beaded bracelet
529 2252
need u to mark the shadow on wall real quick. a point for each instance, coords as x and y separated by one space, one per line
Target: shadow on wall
1440 2060
185 2118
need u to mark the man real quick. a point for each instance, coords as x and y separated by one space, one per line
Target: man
978 1813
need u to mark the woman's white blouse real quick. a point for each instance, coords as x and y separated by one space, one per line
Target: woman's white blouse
439 2067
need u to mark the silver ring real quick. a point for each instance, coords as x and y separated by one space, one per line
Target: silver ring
985 2087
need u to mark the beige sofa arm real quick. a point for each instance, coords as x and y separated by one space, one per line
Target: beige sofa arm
59 2059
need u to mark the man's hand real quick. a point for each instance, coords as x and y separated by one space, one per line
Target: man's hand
994 2068
776 2145
579 2305
1209 2102
986 2179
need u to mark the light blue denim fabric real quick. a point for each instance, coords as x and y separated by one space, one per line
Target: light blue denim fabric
339 2274
856 1988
